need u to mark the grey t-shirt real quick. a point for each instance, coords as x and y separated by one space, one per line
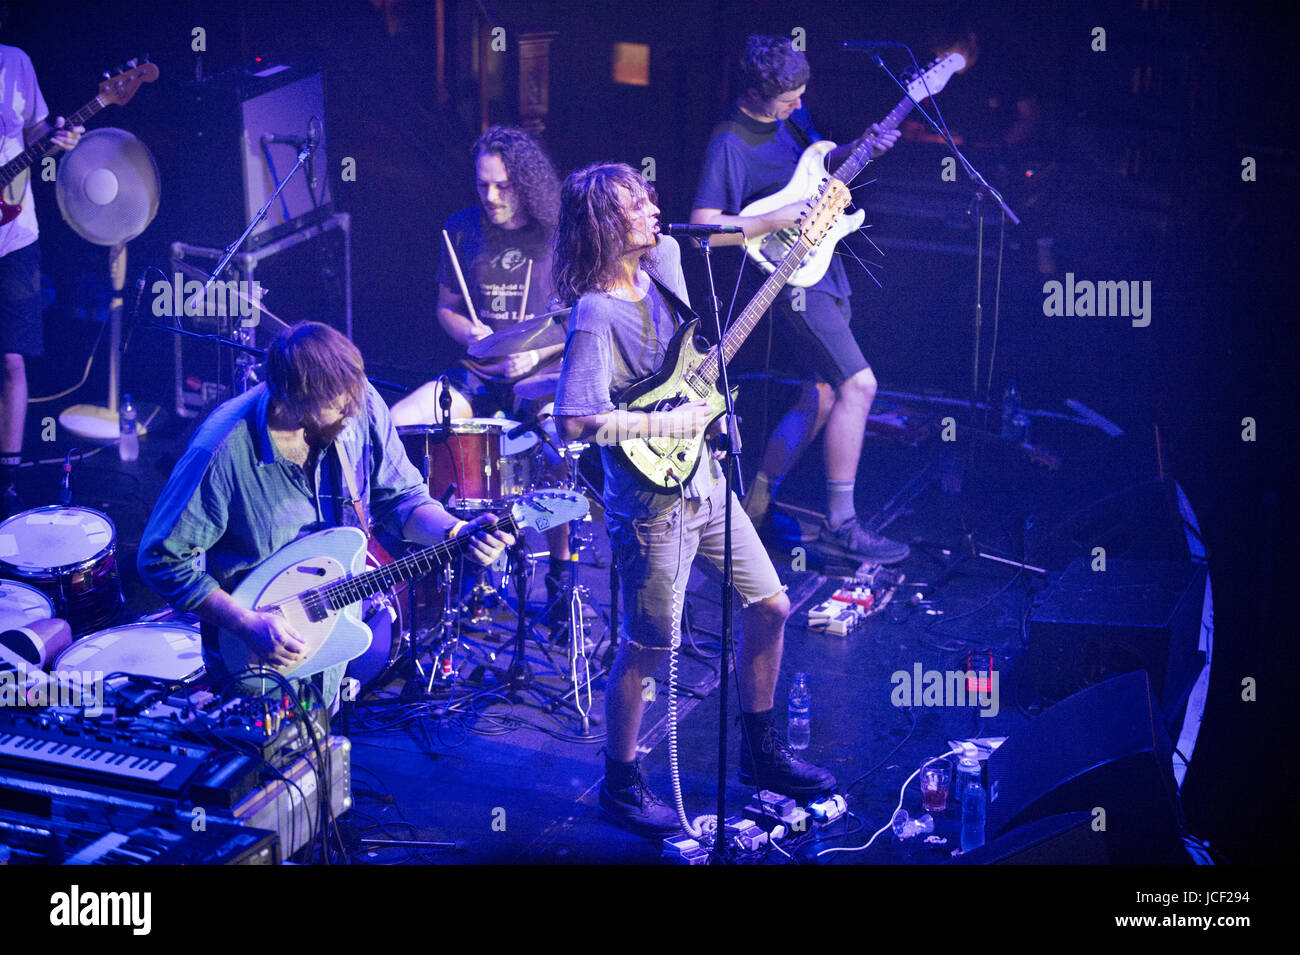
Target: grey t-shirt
611 344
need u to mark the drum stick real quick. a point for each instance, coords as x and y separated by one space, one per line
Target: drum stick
523 304
460 277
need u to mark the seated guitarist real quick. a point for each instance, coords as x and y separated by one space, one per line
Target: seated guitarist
752 154
265 468
629 297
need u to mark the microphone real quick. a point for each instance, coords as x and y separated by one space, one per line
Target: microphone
868 46
278 139
139 292
520 430
444 399
65 485
699 231
313 141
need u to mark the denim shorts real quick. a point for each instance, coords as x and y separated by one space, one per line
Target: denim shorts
654 556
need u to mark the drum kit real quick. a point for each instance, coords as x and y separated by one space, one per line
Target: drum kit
478 466
59 563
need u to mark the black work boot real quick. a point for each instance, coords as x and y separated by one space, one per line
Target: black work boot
768 762
626 799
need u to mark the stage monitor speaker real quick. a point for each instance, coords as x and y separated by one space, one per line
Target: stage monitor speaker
228 168
1091 625
1067 839
1104 751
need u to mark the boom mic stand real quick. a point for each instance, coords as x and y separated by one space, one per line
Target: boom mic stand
969 549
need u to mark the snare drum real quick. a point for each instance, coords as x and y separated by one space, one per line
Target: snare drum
164 651
473 455
68 554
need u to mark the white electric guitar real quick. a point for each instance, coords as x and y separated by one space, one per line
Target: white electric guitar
318 582
768 250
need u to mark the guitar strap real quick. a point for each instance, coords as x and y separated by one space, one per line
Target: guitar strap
801 138
345 465
683 311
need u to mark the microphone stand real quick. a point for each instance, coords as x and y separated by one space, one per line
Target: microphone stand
730 462
969 548
304 154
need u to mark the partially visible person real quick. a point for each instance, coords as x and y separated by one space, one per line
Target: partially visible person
23 116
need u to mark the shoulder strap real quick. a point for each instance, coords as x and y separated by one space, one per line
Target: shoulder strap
345 465
800 137
684 311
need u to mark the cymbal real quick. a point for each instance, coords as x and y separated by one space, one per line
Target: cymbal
541 331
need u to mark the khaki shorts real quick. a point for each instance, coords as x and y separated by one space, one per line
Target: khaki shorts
654 556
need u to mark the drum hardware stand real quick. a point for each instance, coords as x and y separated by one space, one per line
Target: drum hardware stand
518 677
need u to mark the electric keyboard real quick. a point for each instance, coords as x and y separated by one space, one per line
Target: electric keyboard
81 754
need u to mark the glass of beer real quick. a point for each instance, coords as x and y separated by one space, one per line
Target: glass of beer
935 778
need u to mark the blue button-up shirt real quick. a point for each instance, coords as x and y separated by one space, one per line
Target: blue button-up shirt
233 500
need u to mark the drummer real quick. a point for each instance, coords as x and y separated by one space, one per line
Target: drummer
495 275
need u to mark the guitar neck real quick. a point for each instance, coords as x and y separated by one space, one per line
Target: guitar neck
349 590
37 150
862 152
710 368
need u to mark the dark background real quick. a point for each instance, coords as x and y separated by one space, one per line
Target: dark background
1128 185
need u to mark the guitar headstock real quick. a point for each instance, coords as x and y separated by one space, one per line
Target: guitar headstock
548 507
832 199
936 76
118 89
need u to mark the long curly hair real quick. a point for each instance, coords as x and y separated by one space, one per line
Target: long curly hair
529 168
591 235
772 66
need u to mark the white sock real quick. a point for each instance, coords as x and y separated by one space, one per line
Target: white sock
839 502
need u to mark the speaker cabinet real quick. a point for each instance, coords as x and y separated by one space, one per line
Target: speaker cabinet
1091 625
1104 751
1067 839
228 169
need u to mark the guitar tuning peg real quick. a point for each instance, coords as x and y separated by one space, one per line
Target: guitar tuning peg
133 63
106 75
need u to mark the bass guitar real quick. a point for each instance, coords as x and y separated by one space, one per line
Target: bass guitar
326 614
770 249
113 91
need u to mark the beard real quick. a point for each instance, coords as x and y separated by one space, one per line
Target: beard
324 435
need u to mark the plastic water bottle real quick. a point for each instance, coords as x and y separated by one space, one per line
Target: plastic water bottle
799 724
128 445
1010 408
973 804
